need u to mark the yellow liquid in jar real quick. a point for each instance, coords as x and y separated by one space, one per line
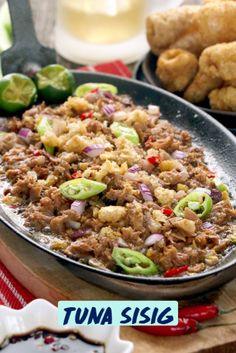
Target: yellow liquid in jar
102 21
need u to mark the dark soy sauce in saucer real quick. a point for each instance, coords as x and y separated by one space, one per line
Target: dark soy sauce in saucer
46 341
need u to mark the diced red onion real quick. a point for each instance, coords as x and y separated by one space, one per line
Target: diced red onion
73 224
78 206
108 109
207 225
94 150
216 195
134 169
25 133
108 94
153 239
153 109
131 171
122 243
204 190
78 234
179 154
146 193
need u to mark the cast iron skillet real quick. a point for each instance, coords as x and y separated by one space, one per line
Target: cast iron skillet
220 146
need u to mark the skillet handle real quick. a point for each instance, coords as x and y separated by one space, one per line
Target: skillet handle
22 23
26 55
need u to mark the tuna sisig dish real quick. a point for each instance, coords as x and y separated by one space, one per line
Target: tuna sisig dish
114 186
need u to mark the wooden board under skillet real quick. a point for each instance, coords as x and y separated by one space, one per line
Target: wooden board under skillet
46 278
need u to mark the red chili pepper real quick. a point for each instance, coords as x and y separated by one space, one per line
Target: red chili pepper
175 271
199 312
86 115
37 153
167 211
153 159
203 312
211 175
76 175
95 90
184 327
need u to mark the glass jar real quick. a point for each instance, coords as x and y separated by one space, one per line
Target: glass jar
102 21
94 31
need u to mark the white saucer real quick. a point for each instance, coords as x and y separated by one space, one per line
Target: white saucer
41 314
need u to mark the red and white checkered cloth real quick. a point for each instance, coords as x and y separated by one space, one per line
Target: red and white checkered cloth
115 68
12 293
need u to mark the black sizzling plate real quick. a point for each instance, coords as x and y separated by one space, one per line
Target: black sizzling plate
220 146
219 143
148 70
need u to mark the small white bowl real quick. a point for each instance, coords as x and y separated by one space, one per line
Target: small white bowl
41 314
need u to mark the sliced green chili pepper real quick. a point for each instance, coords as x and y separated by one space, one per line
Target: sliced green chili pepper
199 202
220 186
17 92
133 262
88 87
43 127
120 129
55 83
81 189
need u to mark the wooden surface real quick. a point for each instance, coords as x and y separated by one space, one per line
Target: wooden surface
46 278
